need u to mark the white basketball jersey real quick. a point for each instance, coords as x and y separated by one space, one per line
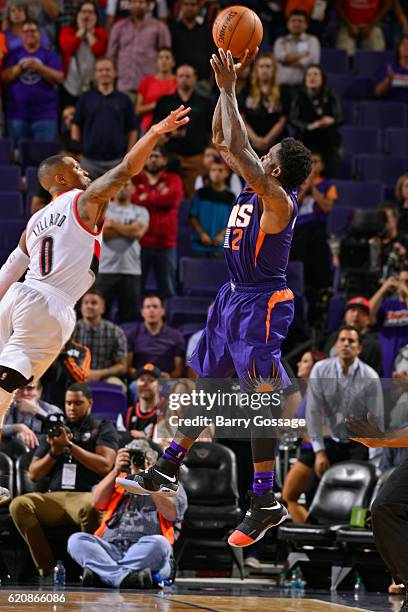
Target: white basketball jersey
64 253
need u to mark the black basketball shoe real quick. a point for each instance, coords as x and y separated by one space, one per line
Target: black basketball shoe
265 512
152 480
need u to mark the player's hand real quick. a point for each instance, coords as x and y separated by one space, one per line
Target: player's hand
172 122
245 61
322 463
224 70
122 460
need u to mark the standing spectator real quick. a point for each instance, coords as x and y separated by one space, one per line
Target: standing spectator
266 107
189 141
234 183
89 446
389 307
161 193
401 195
80 45
152 341
357 314
392 83
133 46
210 211
316 115
295 51
390 242
106 341
401 13
104 122
16 16
360 22
155 86
30 74
316 198
120 269
192 42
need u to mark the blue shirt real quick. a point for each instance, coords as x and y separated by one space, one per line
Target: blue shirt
212 209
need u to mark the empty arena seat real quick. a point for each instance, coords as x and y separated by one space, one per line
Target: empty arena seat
334 61
202 276
6 151
10 233
350 87
383 168
180 309
183 213
338 219
361 139
396 141
108 401
355 194
11 205
350 111
31 179
184 245
10 177
335 312
370 63
32 152
383 114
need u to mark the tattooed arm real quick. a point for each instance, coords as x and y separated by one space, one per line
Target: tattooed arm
219 140
93 202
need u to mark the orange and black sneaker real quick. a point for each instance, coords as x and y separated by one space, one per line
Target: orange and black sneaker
265 512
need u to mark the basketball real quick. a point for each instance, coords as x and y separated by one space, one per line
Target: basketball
237 28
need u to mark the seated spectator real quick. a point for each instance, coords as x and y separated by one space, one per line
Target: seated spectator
389 309
401 196
295 51
360 24
139 420
73 462
392 83
154 87
210 211
316 198
106 341
266 107
72 365
104 122
152 341
357 314
132 549
80 45
23 420
30 74
316 115
315 10
391 244
192 41
134 43
161 193
188 142
299 475
399 410
120 269
16 16
233 181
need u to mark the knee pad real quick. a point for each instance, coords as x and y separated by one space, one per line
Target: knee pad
10 379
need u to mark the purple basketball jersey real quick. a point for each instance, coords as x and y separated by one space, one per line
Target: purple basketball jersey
253 256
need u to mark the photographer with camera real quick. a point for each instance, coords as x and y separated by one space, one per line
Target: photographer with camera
133 546
389 309
73 456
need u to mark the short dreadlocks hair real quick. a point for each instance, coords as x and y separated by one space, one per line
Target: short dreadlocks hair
296 162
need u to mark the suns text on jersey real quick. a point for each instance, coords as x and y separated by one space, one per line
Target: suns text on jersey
48 221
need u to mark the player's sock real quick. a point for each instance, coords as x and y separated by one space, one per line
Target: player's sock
263 482
172 458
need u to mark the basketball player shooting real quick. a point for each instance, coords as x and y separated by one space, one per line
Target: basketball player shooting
252 312
60 250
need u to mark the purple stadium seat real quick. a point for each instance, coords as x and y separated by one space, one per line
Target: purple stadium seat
338 219
33 152
396 141
294 273
108 401
381 168
10 178
345 167
361 140
31 179
188 329
184 246
335 313
370 63
350 87
350 111
334 61
180 309
4 253
128 327
6 151
355 194
383 114
10 233
202 276
151 285
183 213
11 205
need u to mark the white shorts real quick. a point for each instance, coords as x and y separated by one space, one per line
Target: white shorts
33 329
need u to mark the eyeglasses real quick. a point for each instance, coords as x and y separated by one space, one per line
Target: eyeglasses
30 30
87 11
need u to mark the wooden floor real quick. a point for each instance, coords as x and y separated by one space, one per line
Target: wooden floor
97 601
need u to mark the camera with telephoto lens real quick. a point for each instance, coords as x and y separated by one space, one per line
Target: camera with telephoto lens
51 425
137 457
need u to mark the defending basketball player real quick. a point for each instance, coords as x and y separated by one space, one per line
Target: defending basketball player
60 251
251 314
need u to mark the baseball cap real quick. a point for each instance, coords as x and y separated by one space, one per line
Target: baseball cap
150 369
359 302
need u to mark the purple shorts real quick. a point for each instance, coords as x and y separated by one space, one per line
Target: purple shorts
245 328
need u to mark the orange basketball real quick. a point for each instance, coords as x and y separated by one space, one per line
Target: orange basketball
237 28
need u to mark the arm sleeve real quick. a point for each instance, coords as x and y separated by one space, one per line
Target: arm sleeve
164 38
122 345
113 46
68 41
101 42
314 53
13 269
107 436
279 50
193 212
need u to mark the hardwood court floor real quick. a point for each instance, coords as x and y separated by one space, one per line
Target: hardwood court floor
98 601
